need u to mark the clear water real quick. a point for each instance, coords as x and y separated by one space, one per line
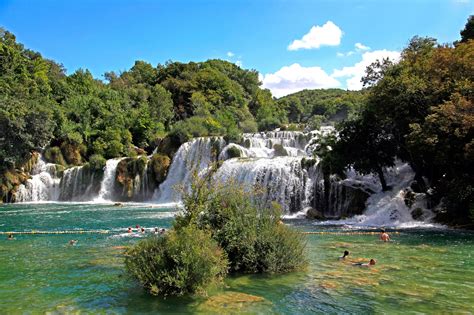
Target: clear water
421 271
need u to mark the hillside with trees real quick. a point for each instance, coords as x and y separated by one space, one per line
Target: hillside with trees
322 106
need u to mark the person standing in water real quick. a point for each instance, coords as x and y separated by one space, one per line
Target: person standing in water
384 236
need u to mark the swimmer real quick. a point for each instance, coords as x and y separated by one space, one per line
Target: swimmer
129 230
369 264
72 242
10 237
156 230
143 230
343 257
162 231
384 236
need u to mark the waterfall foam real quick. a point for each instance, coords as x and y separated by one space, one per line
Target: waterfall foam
193 156
43 184
108 181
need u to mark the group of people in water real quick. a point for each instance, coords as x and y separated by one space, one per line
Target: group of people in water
383 237
143 231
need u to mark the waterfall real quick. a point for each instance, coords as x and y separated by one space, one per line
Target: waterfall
43 184
282 178
107 185
79 184
194 156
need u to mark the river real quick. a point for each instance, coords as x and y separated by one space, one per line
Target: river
425 270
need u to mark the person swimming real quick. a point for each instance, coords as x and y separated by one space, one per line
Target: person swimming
143 230
384 236
129 230
72 242
343 257
369 264
10 237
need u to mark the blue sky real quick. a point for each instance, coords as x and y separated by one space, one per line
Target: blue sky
260 34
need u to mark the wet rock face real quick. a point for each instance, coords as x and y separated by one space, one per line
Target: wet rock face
337 201
313 214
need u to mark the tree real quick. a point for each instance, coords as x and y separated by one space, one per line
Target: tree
468 32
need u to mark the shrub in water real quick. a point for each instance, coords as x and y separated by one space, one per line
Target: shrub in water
183 261
250 232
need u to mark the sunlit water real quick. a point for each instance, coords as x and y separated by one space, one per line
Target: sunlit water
420 271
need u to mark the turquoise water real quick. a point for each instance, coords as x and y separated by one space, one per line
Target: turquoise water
421 271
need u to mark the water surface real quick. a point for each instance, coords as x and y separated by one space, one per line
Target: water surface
422 270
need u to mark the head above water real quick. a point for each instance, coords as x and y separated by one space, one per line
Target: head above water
372 262
346 253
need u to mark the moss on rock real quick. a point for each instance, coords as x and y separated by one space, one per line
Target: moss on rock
160 164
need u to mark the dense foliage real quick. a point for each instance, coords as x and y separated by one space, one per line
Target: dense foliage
250 232
181 262
316 106
419 110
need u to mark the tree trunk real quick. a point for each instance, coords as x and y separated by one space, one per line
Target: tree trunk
382 179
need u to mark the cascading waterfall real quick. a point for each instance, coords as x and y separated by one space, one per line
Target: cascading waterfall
107 185
279 162
193 156
79 184
43 184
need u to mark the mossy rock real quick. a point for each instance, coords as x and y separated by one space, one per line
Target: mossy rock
246 143
417 214
409 198
167 145
31 162
160 164
54 155
229 302
314 214
279 150
306 163
72 153
233 152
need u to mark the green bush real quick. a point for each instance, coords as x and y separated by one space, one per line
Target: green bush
54 155
249 231
97 162
181 262
279 150
234 152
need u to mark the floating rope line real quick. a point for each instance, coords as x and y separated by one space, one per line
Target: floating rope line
347 233
58 232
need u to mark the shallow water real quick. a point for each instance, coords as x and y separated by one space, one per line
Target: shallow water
421 271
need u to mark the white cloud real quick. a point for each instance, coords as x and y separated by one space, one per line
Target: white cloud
354 73
294 78
239 63
327 35
360 46
230 54
339 54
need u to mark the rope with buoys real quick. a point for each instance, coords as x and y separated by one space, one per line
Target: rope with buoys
107 232
57 232
347 233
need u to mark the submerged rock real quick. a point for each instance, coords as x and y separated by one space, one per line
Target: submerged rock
229 302
314 214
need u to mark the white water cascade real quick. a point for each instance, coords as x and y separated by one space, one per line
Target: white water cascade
193 156
278 162
43 184
108 181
